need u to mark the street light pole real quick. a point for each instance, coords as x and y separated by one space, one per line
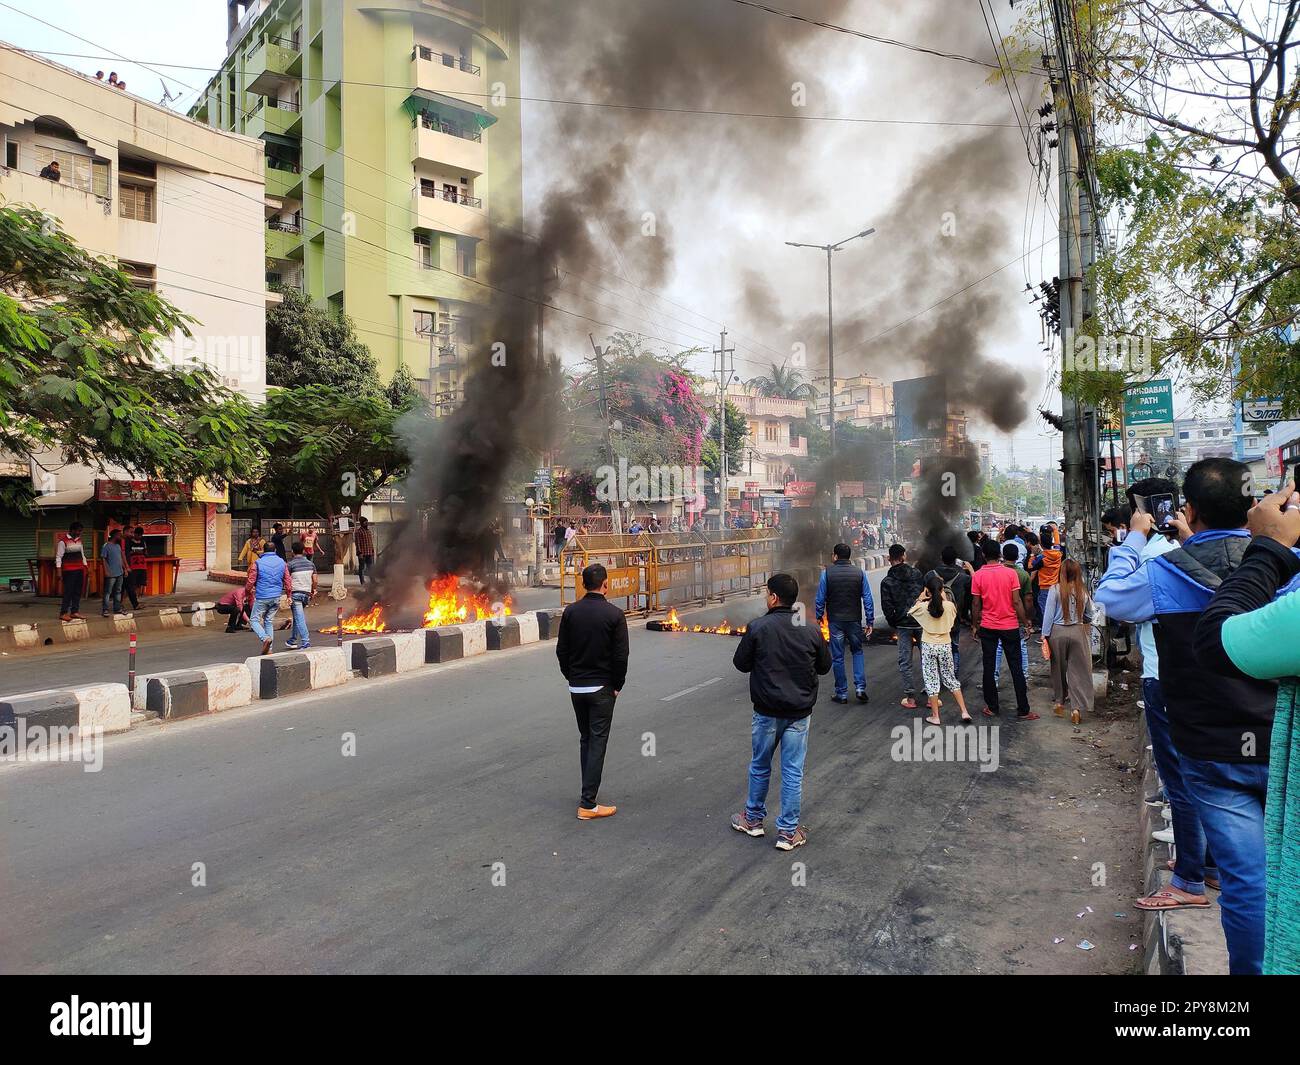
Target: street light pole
830 249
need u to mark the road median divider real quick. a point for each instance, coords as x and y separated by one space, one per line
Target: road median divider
105 706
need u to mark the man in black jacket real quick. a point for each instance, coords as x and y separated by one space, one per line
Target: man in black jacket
783 656
592 649
899 590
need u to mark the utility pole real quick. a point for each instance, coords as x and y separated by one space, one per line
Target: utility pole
830 250
725 372
615 506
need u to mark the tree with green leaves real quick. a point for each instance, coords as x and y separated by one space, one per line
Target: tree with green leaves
81 370
308 344
783 382
332 447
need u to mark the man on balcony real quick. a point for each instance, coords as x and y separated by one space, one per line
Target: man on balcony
51 171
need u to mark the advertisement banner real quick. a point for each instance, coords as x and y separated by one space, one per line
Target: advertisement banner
800 493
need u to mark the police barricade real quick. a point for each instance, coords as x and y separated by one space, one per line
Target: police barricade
678 569
627 558
740 560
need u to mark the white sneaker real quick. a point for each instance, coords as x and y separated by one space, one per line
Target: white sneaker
1167 813
1163 835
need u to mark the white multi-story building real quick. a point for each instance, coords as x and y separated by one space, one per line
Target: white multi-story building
178 205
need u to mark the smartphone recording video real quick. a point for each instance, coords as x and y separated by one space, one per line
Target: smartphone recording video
1162 506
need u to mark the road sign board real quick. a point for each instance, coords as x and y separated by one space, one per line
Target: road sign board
1149 410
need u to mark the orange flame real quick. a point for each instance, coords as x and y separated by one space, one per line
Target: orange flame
826 630
449 604
672 623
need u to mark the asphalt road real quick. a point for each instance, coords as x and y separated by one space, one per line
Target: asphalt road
384 860
103 660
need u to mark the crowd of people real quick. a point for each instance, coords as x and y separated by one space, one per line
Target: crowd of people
1211 592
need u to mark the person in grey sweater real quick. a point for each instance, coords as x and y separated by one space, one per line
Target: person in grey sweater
113 558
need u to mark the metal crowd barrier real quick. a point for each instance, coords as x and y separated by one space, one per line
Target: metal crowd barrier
657 571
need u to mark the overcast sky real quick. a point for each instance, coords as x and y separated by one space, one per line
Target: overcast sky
730 215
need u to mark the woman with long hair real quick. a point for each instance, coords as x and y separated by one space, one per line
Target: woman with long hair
1067 617
936 613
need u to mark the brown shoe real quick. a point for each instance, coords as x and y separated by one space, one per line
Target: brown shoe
787 841
65 617
741 823
585 814
266 647
1058 709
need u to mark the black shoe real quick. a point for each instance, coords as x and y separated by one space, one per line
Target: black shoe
862 695
843 700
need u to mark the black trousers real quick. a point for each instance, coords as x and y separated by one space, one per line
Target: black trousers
135 580
74 581
235 614
595 713
1010 640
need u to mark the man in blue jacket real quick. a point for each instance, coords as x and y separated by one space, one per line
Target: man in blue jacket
1220 725
844 599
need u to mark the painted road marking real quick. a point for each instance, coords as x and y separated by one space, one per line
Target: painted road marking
687 691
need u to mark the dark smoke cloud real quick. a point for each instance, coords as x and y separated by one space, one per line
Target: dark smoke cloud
670 53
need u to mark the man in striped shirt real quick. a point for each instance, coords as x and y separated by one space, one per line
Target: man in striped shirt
363 542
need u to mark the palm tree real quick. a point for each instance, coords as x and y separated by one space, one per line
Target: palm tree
784 382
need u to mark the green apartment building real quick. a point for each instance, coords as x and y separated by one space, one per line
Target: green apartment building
393 151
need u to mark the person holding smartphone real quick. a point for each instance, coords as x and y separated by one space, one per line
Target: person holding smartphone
1249 630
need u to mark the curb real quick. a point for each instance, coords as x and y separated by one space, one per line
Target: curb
184 693
106 706
1174 942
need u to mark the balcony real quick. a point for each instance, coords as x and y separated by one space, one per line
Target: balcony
456 147
283 239
86 216
278 117
275 61
450 213
448 74
283 180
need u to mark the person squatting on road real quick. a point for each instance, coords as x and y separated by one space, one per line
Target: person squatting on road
844 599
1067 642
936 613
899 589
783 656
592 647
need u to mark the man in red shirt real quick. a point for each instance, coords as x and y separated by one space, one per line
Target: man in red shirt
998 617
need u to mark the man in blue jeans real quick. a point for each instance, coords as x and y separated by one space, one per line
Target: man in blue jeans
268 579
302 579
844 599
1221 726
783 656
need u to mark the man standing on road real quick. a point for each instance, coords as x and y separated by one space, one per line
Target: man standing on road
899 590
844 599
137 555
277 541
997 619
268 579
363 543
113 559
70 563
302 578
593 650
783 656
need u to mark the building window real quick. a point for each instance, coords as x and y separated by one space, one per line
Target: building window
141 274
426 251
1185 435
466 258
772 432
11 155
137 202
424 323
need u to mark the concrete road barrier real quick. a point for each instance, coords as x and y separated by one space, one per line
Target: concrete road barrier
444 644
375 656
70 631
529 627
105 706
410 648
502 633
19 637
189 692
294 672
548 623
473 638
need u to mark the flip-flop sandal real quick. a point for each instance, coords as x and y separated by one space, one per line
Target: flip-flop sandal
1167 900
